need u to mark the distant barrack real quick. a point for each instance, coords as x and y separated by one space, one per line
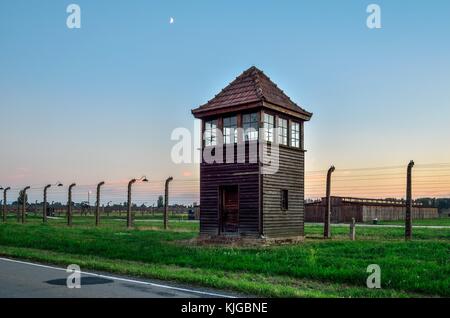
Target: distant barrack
366 201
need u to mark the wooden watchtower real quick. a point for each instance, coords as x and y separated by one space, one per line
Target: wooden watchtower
238 198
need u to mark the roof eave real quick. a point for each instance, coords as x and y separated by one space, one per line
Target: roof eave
299 113
205 112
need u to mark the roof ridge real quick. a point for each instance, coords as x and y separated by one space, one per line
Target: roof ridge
252 86
281 90
242 75
257 82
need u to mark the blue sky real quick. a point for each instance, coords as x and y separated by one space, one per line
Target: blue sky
100 102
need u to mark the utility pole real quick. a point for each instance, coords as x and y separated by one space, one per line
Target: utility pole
69 205
24 202
166 202
408 212
4 203
97 207
327 220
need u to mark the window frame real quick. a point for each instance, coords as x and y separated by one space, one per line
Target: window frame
282 131
210 134
295 139
268 131
284 199
251 124
230 130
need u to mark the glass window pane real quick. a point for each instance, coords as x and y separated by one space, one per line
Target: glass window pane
284 199
229 130
282 131
210 133
268 127
295 134
250 126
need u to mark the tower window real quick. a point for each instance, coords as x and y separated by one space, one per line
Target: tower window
284 200
229 130
210 135
282 131
295 134
250 126
268 127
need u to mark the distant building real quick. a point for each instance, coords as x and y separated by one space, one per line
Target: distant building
236 198
365 210
194 212
444 212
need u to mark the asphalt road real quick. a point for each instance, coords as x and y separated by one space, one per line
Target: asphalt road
32 280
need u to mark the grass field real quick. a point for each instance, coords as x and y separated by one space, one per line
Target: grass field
445 221
314 268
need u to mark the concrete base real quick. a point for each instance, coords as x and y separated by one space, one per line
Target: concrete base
244 241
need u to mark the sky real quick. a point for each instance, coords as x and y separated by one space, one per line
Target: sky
100 102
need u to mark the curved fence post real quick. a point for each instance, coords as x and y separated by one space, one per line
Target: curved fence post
327 219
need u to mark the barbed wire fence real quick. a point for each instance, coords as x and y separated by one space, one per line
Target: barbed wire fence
429 181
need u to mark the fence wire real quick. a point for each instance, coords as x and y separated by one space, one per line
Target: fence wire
429 180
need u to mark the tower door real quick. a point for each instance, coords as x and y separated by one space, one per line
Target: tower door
229 209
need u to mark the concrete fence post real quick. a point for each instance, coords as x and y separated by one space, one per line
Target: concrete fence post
353 229
5 207
24 203
129 216
44 204
97 204
69 205
408 211
327 219
44 211
166 202
129 213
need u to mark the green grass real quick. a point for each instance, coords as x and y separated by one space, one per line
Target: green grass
315 268
380 233
443 221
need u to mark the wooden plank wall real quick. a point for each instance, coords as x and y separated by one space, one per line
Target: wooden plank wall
290 176
365 213
397 213
246 176
316 213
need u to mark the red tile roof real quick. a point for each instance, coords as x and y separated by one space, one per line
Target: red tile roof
249 87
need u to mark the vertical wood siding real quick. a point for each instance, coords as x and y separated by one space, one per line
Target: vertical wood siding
290 176
366 213
246 177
